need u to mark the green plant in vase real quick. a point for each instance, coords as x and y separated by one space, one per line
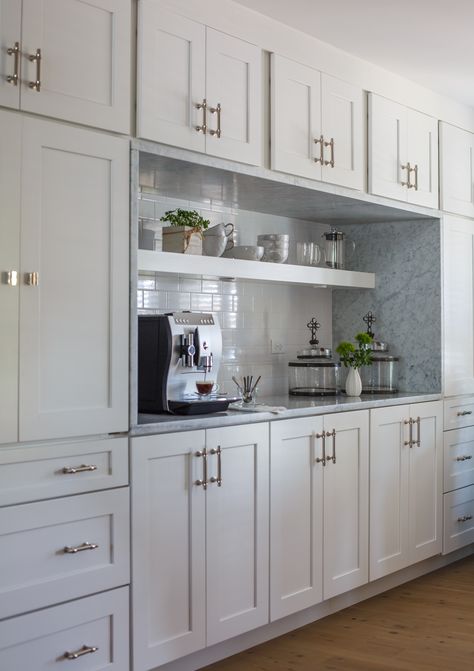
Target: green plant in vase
354 357
184 233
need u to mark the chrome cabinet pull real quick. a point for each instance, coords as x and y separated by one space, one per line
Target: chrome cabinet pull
464 457
417 421
80 548
333 434
10 277
218 451
319 141
85 650
32 279
216 110
408 168
203 127
69 470
463 413
202 483
415 185
465 518
36 58
14 51
409 442
322 460
331 145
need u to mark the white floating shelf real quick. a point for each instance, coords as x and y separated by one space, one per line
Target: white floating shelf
168 262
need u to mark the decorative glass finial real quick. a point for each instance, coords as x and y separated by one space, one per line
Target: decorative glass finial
314 327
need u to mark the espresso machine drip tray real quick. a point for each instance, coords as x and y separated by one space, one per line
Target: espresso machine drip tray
201 406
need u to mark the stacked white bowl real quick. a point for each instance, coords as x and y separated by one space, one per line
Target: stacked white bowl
276 247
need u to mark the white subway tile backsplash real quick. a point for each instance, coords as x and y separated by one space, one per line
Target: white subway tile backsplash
154 300
201 302
250 313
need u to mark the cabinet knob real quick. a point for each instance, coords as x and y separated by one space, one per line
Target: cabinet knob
10 278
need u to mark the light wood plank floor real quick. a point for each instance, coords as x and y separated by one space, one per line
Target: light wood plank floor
424 625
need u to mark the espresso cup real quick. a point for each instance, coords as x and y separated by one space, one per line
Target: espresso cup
206 387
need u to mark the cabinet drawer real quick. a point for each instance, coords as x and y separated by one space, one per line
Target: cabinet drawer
458 519
459 412
48 636
35 472
44 555
458 458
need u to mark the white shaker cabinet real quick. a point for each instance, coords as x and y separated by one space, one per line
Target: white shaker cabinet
318 509
317 124
456 170
211 99
406 477
10 171
72 60
458 300
10 53
72 268
403 153
200 513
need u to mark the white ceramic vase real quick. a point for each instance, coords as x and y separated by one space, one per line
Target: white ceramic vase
353 383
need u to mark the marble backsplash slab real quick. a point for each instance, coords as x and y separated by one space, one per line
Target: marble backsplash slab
406 259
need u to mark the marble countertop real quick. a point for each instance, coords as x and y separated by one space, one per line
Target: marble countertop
293 407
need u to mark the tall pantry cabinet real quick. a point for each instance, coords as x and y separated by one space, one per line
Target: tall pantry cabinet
65 274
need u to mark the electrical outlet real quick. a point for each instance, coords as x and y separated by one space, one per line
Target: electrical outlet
277 347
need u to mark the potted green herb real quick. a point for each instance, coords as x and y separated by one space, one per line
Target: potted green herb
184 234
353 358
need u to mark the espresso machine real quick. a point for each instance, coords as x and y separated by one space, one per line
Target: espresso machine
175 351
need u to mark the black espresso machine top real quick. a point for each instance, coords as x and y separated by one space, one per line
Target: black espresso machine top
176 351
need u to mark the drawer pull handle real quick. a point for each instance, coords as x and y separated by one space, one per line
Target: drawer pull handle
464 457
85 650
36 58
465 518
321 460
80 548
67 470
463 413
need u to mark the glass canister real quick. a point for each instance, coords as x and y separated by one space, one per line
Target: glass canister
335 252
382 376
314 377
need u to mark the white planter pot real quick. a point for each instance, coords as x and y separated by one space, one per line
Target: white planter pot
353 383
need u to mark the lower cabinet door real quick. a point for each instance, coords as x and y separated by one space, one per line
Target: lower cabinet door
92 632
62 549
458 519
426 482
168 547
237 530
296 515
346 502
389 501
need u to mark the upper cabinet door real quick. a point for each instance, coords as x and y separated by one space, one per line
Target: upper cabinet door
422 138
10 56
234 95
458 312
343 130
10 173
74 296
81 66
388 175
296 145
171 77
457 170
